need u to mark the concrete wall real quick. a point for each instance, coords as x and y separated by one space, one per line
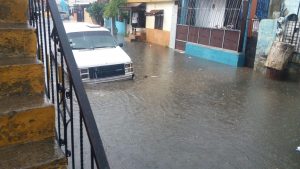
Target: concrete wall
87 17
160 37
174 27
215 54
291 6
266 36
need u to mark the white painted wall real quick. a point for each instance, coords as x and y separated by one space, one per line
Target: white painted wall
291 6
173 27
207 16
168 8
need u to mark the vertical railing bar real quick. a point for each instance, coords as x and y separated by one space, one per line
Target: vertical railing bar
239 10
57 83
46 56
31 2
63 87
92 159
37 29
30 10
81 139
40 32
72 123
298 38
230 11
50 52
295 23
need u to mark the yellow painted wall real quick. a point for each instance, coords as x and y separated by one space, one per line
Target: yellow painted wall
158 37
87 17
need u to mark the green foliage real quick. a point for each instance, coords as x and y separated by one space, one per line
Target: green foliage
123 16
112 8
96 11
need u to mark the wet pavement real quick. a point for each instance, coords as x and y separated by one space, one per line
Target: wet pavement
187 113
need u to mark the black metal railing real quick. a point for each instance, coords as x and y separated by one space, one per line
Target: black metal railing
76 130
291 32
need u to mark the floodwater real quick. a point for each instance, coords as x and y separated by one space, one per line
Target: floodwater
183 112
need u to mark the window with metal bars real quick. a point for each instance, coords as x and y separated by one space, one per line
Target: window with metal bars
159 20
291 34
210 13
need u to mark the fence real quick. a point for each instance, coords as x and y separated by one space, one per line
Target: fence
216 23
76 130
291 33
210 14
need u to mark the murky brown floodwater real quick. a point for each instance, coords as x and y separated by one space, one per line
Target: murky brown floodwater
187 113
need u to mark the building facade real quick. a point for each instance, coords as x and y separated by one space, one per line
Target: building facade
213 29
158 18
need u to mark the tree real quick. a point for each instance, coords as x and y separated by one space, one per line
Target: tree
96 11
111 10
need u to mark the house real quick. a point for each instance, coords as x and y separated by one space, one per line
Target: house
78 10
156 19
213 29
282 25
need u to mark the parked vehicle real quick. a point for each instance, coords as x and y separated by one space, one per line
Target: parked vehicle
98 56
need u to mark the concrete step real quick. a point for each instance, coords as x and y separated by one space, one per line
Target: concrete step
13 11
44 154
128 39
25 119
21 76
17 40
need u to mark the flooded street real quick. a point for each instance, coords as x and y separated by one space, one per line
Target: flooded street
187 113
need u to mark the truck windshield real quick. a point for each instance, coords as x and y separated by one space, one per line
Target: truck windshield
91 40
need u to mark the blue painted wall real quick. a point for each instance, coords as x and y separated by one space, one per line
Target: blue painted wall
64 6
262 9
215 54
266 36
121 27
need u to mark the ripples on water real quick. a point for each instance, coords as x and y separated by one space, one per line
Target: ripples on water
184 112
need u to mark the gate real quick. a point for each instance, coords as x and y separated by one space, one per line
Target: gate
291 33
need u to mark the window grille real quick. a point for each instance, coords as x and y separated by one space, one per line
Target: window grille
159 20
210 13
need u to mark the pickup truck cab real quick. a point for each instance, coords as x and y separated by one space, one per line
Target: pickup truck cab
98 56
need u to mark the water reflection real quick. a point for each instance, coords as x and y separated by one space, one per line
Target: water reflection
184 112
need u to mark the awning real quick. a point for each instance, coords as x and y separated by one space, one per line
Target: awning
130 5
154 13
